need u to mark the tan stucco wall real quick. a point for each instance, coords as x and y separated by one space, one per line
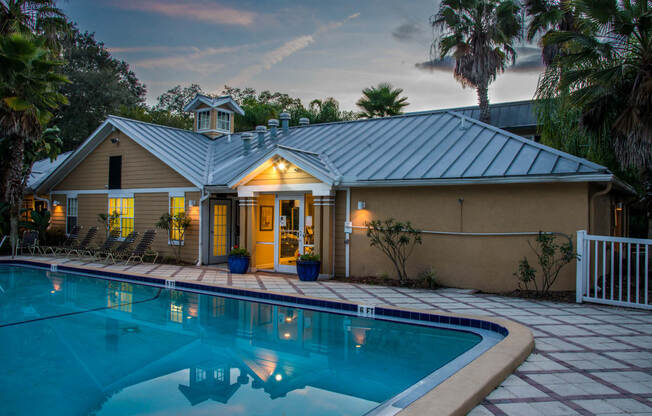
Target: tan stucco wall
140 169
485 263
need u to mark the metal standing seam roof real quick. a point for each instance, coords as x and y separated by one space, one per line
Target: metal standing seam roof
438 146
42 168
505 115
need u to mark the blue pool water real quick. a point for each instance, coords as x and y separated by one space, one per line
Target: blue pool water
78 345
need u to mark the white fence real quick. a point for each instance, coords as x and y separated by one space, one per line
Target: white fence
614 270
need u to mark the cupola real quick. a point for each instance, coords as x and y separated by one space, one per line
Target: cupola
214 117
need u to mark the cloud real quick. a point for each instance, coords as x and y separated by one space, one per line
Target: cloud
198 10
407 31
185 59
290 47
444 65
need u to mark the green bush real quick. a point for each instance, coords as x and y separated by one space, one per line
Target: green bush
236 251
309 257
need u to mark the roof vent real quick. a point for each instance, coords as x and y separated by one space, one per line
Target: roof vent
285 122
246 142
261 130
273 126
304 121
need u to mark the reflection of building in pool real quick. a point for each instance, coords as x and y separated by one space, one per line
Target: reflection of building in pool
212 383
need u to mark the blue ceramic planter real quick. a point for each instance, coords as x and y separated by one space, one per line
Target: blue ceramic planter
308 271
238 264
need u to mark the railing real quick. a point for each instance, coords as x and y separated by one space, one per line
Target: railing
613 270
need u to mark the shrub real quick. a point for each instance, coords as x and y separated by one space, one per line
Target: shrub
236 251
309 257
551 256
428 279
396 239
180 222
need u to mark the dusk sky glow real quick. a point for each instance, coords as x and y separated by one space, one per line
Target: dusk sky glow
308 49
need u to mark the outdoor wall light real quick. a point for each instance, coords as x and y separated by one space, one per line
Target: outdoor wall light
362 204
281 166
115 140
192 203
56 203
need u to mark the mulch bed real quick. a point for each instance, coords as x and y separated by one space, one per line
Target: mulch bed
384 281
562 296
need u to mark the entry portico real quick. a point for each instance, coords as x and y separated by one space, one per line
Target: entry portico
286 209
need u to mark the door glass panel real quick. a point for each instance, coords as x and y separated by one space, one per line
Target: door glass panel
289 222
219 230
308 234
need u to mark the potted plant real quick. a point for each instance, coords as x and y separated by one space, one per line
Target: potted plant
239 260
308 266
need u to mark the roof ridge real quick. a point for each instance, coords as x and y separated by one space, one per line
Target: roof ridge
529 142
502 104
157 125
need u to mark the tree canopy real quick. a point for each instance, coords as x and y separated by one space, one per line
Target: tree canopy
382 101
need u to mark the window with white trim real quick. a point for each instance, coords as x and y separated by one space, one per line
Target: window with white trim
123 211
177 206
223 121
71 214
203 120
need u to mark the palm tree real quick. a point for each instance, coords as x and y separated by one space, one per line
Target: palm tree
40 17
381 101
605 70
29 92
479 34
548 16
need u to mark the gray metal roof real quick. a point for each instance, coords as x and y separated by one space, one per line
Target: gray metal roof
42 168
429 147
505 115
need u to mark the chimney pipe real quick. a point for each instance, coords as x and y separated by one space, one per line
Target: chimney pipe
285 122
304 121
246 142
261 130
273 127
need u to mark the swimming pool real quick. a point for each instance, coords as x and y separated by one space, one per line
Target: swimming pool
74 344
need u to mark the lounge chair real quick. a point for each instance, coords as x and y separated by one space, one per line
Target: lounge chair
29 242
84 244
107 245
143 250
122 251
70 241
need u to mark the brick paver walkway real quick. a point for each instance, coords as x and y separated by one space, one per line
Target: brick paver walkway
588 359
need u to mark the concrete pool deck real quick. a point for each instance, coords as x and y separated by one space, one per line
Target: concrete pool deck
588 359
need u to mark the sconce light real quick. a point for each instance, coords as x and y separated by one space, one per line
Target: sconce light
56 203
192 203
281 166
362 204
115 140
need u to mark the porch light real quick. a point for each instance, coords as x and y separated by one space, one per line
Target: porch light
281 166
56 203
192 203
362 204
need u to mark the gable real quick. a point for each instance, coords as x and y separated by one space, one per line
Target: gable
272 175
140 168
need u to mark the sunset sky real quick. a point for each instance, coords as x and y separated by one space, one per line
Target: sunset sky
308 49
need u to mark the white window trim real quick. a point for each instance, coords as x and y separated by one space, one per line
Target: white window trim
176 194
120 195
68 198
208 110
217 119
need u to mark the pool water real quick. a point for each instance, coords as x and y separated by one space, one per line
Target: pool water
78 345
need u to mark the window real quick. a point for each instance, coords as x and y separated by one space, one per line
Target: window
123 209
115 172
71 215
223 121
203 120
177 206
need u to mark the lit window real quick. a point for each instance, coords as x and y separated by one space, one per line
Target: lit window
223 121
71 214
177 206
203 120
122 210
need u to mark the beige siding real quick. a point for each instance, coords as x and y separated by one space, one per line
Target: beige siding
485 263
292 175
88 207
140 169
58 219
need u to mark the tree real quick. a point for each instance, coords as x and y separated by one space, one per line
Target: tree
40 17
152 115
100 85
605 71
547 16
551 256
479 34
178 222
397 240
381 101
328 111
39 221
29 87
174 99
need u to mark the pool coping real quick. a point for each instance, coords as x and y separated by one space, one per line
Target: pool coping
476 379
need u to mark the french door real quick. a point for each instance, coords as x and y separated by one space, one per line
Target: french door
220 231
289 237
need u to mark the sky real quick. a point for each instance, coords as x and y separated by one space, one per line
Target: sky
308 49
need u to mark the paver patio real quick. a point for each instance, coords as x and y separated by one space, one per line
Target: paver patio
588 359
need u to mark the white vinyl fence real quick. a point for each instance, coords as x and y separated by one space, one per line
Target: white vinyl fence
614 270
